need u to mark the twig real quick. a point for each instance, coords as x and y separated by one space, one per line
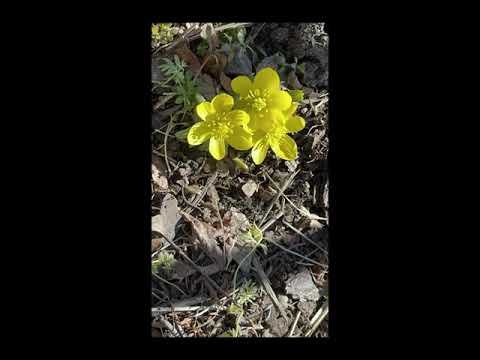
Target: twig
254 34
280 191
166 324
210 181
191 35
294 324
188 202
294 253
304 236
198 268
317 319
271 221
169 283
170 123
166 309
268 288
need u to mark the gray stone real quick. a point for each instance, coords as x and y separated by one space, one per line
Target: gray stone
301 286
238 63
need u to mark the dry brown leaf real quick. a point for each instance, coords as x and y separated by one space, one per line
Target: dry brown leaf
189 57
206 235
165 222
215 63
226 83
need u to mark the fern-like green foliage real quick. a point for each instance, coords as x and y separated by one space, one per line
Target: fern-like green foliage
184 87
247 293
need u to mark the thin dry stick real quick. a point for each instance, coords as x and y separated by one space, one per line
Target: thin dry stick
170 123
193 34
280 192
196 267
166 309
268 288
294 253
210 181
271 221
164 323
169 283
319 316
290 334
304 236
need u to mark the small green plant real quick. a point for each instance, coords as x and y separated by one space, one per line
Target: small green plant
297 95
247 293
174 70
164 262
245 296
184 88
202 48
162 34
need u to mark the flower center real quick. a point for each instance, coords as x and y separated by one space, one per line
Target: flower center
219 125
257 99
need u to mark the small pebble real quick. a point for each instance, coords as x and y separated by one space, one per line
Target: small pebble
249 188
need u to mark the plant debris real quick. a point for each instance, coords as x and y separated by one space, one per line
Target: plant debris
238 249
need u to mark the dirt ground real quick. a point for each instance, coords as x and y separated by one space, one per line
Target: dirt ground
207 278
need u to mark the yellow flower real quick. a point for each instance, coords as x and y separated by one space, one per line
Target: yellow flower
275 136
261 97
221 125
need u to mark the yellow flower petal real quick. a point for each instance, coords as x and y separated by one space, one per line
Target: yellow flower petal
198 133
284 147
240 139
259 151
280 100
295 123
257 135
268 120
203 109
291 110
238 117
217 147
222 102
241 85
267 78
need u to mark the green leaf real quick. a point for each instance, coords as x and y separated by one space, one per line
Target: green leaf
256 233
179 100
297 95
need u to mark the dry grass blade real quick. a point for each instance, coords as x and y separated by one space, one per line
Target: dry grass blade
169 283
296 254
198 268
294 325
268 288
317 319
305 237
279 193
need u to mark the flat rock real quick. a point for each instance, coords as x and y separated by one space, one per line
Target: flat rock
301 286
238 63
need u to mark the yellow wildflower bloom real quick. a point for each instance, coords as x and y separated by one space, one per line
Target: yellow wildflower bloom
275 136
260 97
221 125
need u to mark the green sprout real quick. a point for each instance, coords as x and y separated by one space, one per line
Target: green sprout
162 33
164 262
